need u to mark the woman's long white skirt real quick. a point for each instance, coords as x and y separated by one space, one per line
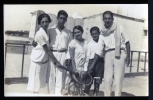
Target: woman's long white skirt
37 76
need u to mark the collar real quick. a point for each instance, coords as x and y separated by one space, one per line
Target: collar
58 29
41 29
111 29
93 41
64 30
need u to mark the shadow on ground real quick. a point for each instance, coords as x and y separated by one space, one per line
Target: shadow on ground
101 93
24 80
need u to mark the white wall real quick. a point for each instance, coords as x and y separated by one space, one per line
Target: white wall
134 29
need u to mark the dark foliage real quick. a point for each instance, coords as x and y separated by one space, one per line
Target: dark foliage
17 33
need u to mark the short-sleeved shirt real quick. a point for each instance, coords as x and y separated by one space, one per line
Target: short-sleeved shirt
109 41
38 54
60 40
91 48
80 53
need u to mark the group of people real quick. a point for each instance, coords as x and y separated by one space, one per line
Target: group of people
105 56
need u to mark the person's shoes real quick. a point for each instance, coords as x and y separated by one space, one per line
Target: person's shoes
36 93
95 94
85 94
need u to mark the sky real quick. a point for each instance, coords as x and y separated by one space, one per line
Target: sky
18 17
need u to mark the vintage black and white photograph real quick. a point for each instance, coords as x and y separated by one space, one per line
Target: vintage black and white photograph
76 50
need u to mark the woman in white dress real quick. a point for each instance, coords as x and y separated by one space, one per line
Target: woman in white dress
78 47
40 55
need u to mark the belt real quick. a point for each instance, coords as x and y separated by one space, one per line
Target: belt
58 50
44 62
114 49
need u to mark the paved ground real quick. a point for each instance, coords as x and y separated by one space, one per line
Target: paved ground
137 86
133 86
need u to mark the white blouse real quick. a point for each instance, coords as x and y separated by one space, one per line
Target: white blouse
38 54
80 53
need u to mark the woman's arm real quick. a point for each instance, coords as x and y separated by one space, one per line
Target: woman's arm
68 60
54 60
72 53
87 58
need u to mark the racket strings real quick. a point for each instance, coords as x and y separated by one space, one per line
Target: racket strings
78 82
81 80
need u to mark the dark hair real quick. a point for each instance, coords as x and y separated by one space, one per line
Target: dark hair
95 28
108 12
41 16
79 28
63 13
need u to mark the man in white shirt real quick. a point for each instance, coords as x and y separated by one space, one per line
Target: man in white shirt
99 66
60 38
117 54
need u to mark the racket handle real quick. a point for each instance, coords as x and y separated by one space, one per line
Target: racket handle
76 74
64 68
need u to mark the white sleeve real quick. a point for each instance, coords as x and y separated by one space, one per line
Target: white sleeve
100 46
41 39
72 44
70 39
124 35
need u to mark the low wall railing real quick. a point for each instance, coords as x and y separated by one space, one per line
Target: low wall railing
23 53
131 53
